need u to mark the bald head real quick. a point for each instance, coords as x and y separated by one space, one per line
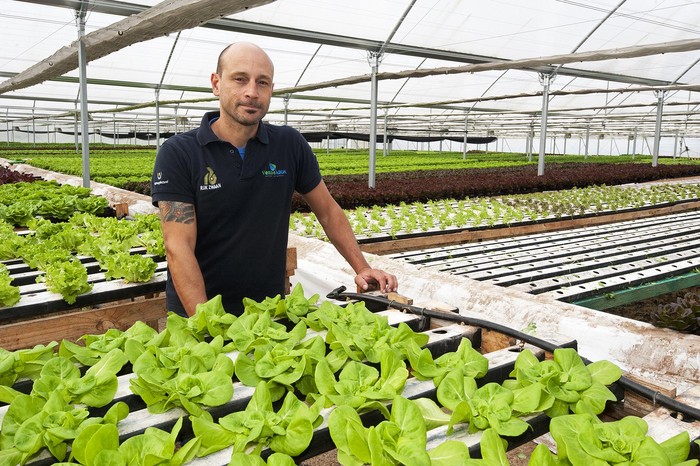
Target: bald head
243 83
241 50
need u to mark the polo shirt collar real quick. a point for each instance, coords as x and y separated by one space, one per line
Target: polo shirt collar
205 134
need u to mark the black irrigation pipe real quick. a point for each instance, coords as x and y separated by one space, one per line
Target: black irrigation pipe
690 413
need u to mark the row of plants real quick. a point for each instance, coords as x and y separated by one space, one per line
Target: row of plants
345 171
308 362
8 176
62 229
23 202
392 221
423 186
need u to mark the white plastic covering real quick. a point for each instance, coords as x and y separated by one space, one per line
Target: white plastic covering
303 37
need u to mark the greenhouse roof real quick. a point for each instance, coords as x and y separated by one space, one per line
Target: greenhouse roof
439 62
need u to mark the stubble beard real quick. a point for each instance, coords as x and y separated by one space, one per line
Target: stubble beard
242 117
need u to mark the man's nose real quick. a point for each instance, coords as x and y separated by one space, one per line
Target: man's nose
251 89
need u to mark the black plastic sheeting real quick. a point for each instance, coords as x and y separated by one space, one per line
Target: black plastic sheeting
319 136
310 136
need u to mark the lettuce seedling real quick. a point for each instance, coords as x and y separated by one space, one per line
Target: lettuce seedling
59 207
132 341
152 241
466 358
585 439
297 305
94 205
211 319
133 268
96 388
401 439
294 306
287 431
252 330
9 294
329 314
60 376
24 363
561 384
67 278
41 254
490 406
191 377
20 212
282 366
360 386
10 243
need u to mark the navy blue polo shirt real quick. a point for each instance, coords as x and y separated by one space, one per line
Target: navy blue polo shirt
242 206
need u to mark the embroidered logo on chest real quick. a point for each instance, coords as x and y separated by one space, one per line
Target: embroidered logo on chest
209 181
273 171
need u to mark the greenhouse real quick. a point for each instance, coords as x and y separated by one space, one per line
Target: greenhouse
528 171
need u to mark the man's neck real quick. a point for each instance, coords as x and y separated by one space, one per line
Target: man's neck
233 132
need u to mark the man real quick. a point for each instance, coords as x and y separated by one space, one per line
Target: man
224 192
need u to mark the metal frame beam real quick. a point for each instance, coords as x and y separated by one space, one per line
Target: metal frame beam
114 7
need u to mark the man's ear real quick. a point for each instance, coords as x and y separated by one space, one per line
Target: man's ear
215 79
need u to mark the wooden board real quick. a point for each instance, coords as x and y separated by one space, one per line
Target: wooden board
664 424
73 325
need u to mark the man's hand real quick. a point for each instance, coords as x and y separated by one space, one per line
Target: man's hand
374 279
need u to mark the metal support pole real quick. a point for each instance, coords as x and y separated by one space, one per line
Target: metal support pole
546 80
588 138
628 145
75 128
564 151
157 120
675 146
286 108
657 131
82 63
7 122
464 149
531 142
114 124
597 147
634 144
33 127
374 63
386 116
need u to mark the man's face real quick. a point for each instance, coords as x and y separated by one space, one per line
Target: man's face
244 84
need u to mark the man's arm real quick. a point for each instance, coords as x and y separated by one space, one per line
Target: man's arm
338 230
179 224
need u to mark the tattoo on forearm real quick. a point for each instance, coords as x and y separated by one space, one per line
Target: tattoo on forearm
180 212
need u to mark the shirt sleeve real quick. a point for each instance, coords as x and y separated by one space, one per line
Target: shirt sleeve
172 175
309 171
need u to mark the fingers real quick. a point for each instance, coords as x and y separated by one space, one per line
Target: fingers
375 279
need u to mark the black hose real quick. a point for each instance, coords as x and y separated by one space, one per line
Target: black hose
690 413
